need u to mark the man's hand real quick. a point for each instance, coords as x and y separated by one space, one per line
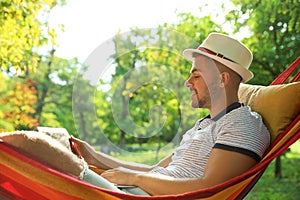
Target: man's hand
121 176
82 149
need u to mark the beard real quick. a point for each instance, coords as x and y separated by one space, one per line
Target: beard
205 98
200 102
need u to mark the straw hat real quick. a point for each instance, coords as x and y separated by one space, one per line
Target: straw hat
226 50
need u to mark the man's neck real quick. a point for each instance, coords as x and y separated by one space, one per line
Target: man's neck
229 108
220 106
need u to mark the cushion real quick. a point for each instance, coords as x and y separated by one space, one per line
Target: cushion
46 149
278 104
59 134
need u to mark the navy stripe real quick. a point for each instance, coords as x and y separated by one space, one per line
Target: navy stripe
239 150
230 108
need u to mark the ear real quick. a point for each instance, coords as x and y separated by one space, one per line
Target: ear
224 79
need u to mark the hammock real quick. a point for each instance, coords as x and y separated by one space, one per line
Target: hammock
24 177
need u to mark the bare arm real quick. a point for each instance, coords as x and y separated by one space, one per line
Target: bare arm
222 165
105 162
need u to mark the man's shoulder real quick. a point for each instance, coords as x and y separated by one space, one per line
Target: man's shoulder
242 118
243 112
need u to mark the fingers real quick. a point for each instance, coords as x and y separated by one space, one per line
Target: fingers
111 176
82 149
74 147
109 173
120 175
74 139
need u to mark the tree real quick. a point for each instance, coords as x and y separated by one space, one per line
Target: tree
125 62
19 105
4 89
54 83
23 30
149 79
275 34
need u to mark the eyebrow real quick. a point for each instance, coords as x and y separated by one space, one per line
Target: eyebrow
195 70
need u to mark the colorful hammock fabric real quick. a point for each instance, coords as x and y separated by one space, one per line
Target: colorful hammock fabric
25 177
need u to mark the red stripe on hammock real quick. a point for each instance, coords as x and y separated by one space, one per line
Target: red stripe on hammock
287 73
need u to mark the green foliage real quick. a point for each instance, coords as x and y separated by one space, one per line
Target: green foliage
147 89
4 124
144 105
54 82
275 34
83 111
194 27
147 96
22 31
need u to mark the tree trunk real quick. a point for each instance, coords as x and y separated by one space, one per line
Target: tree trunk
158 148
124 116
45 89
83 126
278 167
122 139
41 103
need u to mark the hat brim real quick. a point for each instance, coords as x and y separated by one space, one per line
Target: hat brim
243 72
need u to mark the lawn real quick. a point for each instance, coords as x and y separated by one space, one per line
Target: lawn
267 188
286 188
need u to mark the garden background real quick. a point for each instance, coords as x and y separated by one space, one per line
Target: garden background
105 100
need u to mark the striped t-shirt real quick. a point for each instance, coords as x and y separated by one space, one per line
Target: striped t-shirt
238 130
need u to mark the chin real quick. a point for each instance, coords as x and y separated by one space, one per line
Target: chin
199 104
195 105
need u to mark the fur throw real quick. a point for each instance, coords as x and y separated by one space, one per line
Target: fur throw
46 149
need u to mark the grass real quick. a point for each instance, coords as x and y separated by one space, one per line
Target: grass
267 188
149 157
288 187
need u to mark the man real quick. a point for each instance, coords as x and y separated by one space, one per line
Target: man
227 143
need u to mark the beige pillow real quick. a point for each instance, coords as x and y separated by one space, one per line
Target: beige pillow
278 104
46 149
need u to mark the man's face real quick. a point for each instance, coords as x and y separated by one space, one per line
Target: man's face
203 82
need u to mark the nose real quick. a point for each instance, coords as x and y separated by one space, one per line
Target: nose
188 83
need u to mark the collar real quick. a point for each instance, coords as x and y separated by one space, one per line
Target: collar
230 108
